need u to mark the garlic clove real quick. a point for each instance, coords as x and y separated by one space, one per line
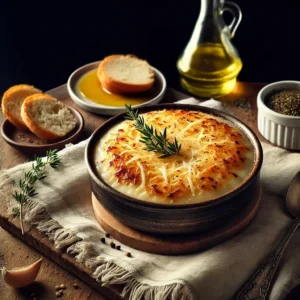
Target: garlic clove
20 277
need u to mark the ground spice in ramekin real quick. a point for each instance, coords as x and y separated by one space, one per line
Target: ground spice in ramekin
286 102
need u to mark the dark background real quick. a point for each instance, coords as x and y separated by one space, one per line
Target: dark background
42 43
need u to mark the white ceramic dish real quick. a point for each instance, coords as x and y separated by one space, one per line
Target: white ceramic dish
281 130
160 83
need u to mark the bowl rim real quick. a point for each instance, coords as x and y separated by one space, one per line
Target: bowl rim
80 125
270 86
103 109
258 158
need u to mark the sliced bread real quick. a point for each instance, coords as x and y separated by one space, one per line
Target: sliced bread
47 117
12 101
122 74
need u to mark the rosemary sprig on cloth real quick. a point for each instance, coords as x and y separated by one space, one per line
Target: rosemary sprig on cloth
155 141
26 185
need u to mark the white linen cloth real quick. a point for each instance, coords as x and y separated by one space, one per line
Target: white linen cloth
62 210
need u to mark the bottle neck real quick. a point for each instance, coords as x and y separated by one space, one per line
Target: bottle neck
209 8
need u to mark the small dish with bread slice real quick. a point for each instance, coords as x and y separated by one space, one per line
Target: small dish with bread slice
37 122
104 87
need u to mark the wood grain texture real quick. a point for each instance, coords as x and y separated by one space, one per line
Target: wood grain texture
180 244
13 252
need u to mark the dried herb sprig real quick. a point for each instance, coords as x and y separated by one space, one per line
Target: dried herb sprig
26 185
155 141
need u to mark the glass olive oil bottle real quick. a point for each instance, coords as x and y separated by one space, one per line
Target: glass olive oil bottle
210 64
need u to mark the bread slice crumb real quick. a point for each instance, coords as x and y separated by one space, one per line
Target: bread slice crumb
121 74
12 101
47 117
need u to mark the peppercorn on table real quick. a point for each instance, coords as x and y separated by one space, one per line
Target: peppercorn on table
18 250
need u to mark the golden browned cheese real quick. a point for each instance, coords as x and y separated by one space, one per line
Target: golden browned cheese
215 158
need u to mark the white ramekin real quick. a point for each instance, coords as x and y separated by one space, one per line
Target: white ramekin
279 129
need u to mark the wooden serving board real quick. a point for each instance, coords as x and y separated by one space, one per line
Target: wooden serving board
179 244
10 157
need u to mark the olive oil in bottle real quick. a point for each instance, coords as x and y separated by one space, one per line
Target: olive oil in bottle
210 71
209 64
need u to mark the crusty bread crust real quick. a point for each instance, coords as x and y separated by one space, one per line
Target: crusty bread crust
12 101
29 115
116 86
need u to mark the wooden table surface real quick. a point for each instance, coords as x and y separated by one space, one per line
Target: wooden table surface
14 253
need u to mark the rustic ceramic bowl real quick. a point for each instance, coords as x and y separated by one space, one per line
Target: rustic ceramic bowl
160 87
279 129
173 219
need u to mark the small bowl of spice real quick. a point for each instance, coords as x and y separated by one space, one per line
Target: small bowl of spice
279 113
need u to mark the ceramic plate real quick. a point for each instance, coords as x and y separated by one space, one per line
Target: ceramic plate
85 103
26 141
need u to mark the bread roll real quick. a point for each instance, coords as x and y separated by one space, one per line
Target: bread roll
12 101
47 117
121 74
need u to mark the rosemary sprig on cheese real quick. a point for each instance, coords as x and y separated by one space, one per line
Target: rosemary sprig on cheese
155 141
26 185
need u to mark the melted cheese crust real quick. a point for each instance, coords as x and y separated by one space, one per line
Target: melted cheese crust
215 157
